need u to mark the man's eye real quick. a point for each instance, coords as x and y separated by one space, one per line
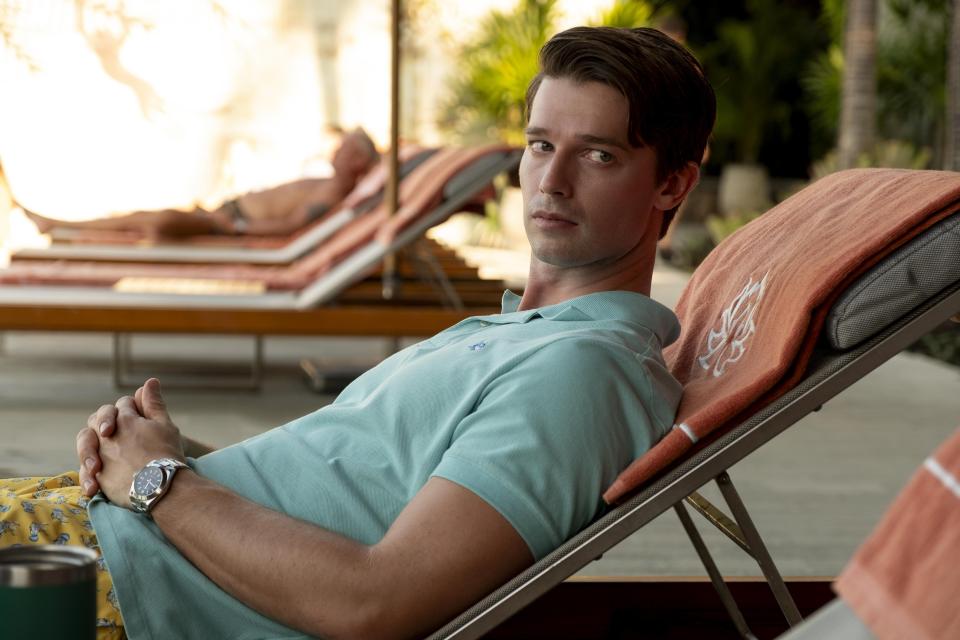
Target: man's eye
539 145
598 155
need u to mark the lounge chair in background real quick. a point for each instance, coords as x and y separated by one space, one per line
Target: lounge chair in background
126 246
281 300
428 196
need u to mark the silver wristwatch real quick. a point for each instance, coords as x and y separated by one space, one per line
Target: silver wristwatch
152 482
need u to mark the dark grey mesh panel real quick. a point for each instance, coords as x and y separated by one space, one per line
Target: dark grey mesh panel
896 285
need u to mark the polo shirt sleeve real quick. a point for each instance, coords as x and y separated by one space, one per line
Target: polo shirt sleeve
549 433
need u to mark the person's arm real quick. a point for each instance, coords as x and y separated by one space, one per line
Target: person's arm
287 208
445 550
298 219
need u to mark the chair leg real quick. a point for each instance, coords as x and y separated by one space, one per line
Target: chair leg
121 358
718 583
759 550
328 380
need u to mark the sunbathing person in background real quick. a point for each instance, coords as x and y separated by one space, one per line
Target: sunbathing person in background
456 462
276 211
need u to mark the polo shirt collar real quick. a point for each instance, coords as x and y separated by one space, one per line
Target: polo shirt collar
627 306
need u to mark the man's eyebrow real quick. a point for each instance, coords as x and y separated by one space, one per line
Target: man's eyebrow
586 137
610 142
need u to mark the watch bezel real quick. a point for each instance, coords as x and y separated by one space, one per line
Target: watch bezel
143 503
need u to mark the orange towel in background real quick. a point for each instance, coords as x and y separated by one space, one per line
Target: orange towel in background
904 582
753 311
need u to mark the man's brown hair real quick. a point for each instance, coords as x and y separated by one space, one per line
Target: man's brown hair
672 105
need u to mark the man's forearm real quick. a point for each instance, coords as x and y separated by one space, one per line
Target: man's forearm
291 571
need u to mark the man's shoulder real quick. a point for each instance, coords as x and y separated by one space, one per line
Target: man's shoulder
603 340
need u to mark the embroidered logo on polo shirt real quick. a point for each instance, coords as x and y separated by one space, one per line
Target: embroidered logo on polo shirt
477 346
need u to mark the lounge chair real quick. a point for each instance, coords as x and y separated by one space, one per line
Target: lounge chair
867 301
130 246
437 188
261 300
121 246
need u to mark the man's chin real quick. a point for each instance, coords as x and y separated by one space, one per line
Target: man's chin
557 259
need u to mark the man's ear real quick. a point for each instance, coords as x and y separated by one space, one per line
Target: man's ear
676 187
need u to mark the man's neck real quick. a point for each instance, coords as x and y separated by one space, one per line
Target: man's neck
548 285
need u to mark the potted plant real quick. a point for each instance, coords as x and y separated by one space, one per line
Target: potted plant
748 64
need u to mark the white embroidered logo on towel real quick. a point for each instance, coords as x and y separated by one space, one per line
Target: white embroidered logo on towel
727 344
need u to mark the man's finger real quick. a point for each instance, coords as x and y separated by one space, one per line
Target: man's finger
138 399
105 412
88 452
154 406
88 444
88 483
126 406
104 421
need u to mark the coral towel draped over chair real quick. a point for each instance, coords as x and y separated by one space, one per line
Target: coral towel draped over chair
753 311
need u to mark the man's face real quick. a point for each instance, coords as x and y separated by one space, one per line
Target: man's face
588 195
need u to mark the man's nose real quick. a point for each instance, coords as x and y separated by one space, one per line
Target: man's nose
556 179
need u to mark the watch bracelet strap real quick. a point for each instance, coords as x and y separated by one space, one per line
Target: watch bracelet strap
169 463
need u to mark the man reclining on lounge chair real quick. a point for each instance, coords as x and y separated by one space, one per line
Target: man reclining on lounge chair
456 462
277 211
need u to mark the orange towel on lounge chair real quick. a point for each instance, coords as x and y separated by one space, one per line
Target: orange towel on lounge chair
753 311
904 580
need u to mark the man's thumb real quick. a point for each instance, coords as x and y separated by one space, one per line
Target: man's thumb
153 405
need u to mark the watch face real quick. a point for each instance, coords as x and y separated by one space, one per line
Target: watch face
148 480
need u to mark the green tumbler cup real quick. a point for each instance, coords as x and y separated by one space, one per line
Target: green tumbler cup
47 592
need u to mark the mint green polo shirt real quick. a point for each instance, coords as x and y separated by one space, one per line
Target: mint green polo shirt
534 411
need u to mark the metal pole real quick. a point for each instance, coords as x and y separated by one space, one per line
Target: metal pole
715 577
760 553
392 192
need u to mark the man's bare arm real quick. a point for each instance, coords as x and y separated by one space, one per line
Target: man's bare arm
445 550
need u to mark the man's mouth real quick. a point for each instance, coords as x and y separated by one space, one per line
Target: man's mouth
551 220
